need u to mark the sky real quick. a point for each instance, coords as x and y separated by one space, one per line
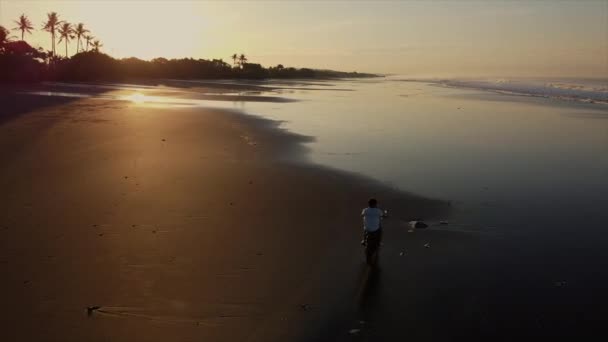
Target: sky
415 38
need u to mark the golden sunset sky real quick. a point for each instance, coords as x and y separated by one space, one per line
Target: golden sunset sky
417 38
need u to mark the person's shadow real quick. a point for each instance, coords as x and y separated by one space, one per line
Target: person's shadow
368 290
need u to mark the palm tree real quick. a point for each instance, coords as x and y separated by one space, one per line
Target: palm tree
96 45
4 38
65 33
79 31
88 39
242 60
24 25
235 58
50 26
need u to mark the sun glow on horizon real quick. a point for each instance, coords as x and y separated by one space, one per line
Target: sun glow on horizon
407 37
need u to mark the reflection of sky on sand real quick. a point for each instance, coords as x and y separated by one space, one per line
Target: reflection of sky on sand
491 158
136 98
158 101
56 93
143 97
106 86
495 160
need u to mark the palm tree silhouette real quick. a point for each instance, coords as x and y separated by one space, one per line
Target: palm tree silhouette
4 38
24 25
88 38
242 60
96 45
50 26
79 31
235 58
65 33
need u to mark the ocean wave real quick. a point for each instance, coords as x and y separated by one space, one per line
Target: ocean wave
586 91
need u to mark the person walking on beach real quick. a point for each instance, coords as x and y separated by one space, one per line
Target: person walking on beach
372 221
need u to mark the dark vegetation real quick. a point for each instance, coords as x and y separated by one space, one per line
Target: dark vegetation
19 62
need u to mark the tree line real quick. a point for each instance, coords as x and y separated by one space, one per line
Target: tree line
20 62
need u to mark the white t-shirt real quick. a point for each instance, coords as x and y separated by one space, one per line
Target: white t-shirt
371 219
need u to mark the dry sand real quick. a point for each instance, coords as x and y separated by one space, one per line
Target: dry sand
183 225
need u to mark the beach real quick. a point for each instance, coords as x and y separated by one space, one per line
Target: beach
186 171
171 225
168 214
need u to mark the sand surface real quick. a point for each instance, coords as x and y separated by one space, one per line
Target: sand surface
177 225
174 223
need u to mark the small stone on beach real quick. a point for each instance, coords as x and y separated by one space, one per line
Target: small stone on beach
418 224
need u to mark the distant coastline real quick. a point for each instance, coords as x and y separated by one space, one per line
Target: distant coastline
22 63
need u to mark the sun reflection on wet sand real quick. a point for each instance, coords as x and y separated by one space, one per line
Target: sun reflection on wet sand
153 101
158 101
136 98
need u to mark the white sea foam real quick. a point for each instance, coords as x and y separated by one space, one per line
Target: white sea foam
580 90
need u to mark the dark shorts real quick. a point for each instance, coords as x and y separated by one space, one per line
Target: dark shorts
375 236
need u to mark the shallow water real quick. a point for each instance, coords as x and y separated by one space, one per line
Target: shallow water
507 163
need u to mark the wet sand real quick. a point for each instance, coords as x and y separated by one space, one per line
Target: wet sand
180 224
125 221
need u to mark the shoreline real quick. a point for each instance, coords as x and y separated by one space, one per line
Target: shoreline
188 223
177 223
595 98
